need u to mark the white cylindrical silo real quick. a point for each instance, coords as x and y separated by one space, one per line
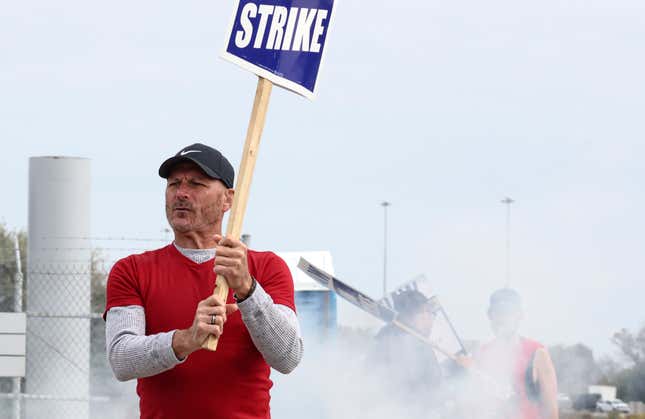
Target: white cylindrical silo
58 288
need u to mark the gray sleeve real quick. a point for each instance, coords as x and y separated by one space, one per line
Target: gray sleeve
274 330
131 353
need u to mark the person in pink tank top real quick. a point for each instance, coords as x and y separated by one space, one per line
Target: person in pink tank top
518 363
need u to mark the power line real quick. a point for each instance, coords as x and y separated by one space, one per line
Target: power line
113 238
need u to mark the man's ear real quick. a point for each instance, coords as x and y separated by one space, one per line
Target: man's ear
230 193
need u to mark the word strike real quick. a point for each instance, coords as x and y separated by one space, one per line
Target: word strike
288 29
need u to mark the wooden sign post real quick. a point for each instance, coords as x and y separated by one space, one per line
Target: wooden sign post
244 178
282 45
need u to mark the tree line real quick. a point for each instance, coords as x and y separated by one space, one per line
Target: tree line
8 270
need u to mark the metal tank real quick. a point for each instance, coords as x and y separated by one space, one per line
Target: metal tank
58 288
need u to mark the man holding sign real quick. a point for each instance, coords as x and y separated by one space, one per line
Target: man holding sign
160 310
159 313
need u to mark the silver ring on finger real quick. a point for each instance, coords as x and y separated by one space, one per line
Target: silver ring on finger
212 319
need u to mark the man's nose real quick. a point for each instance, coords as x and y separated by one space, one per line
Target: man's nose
182 191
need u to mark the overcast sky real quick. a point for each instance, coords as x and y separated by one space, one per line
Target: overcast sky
441 107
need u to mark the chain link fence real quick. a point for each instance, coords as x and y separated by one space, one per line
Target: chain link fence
68 375
58 340
10 301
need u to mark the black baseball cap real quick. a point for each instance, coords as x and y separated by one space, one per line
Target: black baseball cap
409 301
211 161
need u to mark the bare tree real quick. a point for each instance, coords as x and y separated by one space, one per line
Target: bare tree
631 345
575 366
631 381
8 264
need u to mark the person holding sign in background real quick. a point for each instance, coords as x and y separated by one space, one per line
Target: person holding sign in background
408 367
160 310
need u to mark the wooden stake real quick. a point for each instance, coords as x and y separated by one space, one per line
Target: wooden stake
499 390
243 184
424 339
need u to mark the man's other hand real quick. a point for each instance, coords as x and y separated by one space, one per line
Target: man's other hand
210 317
231 262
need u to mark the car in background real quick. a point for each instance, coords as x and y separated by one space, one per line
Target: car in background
616 405
620 406
586 401
604 406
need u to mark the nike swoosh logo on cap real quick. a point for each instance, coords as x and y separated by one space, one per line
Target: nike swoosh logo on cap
183 153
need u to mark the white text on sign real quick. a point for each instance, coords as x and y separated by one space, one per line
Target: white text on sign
288 30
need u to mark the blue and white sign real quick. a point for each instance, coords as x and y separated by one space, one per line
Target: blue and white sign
357 298
281 40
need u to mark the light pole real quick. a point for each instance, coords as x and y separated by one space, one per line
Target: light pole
385 204
508 201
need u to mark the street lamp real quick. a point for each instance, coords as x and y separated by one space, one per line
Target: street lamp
385 204
508 201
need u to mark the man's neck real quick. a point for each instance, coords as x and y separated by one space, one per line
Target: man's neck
196 240
196 255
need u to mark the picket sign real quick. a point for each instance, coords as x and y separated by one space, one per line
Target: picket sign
280 40
283 43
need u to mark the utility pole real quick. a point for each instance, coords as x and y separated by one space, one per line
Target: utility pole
508 201
385 204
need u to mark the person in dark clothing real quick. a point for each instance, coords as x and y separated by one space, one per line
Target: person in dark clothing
408 364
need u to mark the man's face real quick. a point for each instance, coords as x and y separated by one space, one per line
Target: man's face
194 201
423 320
505 323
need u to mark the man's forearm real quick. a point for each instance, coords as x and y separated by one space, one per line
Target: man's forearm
181 344
130 352
274 330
